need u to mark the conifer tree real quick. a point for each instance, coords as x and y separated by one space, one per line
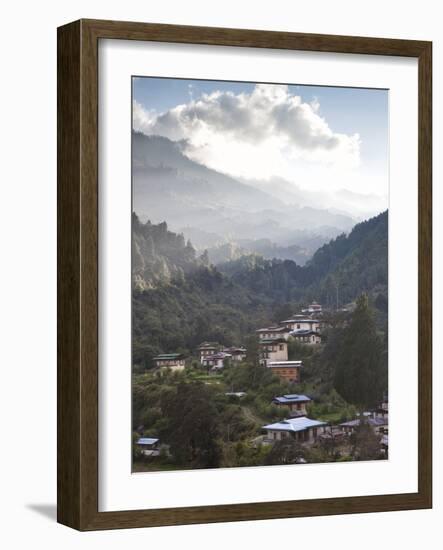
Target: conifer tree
359 373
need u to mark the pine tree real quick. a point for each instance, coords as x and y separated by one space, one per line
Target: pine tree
359 373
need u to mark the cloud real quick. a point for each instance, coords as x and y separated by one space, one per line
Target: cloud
258 134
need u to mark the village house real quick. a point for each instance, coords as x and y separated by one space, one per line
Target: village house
216 361
295 402
302 429
273 350
173 361
309 337
289 371
148 446
273 333
313 308
378 425
207 348
301 323
237 354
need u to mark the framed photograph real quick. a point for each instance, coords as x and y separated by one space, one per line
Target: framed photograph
244 275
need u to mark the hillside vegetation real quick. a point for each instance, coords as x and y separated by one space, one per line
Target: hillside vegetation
180 299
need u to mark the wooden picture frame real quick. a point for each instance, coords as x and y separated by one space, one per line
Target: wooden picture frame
78 273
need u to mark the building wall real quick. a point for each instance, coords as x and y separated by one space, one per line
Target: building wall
274 352
312 339
290 374
303 325
273 335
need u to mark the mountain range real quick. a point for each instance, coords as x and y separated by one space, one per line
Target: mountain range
213 209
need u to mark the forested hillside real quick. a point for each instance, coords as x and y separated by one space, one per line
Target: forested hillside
343 268
158 255
180 300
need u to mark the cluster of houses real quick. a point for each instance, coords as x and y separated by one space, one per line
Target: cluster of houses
304 327
273 347
273 342
305 430
298 427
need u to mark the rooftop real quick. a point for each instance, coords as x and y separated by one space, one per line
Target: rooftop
292 398
303 332
273 329
273 341
147 441
294 424
208 345
165 356
371 421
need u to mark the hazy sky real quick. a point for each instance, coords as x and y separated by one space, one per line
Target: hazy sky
322 138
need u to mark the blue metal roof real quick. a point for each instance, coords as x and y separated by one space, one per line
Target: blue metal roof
294 425
292 398
147 441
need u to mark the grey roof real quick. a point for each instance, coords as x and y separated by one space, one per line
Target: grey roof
291 398
269 341
304 332
147 441
166 356
208 345
294 424
273 329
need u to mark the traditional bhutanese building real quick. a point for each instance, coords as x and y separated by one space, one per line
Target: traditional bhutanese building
207 348
302 429
173 361
273 349
149 446
237 354
313 308
289 371
216 361
295 402
378 425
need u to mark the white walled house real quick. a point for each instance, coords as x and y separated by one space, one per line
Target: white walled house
272 350
217 361
302 429
379 425
148 446
237 354
296 403
172 361
207 348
